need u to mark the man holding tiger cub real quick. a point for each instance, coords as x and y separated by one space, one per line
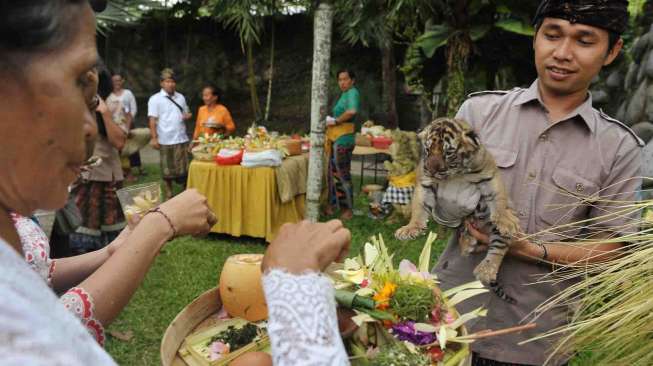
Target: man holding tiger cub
553 151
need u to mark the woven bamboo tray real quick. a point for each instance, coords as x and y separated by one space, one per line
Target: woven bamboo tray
203 313
199 314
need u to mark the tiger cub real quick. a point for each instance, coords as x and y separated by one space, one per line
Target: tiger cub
459 181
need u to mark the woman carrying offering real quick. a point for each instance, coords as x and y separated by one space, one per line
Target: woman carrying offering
213 117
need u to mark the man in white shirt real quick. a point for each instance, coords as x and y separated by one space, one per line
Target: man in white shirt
167 111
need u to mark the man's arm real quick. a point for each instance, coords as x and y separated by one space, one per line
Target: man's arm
153 119
154 140
610 219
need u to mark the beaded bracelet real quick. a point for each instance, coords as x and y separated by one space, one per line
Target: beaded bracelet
158 210
545 253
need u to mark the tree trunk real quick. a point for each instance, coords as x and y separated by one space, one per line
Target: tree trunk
251 80
389 77
269 96
322 29
165 35
457 53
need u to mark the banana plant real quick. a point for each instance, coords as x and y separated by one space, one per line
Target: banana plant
456 26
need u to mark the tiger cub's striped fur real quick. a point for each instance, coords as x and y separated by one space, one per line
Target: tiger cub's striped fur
459 181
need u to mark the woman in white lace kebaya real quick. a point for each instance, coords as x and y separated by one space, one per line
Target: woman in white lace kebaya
303 324
48 104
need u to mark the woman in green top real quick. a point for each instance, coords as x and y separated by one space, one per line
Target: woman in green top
340 145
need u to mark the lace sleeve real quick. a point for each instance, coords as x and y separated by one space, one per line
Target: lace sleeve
80 303
303 324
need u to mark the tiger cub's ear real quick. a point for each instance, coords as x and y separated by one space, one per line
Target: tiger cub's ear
421 134
473 137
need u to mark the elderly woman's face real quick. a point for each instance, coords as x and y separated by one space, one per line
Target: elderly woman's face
208 97
49 111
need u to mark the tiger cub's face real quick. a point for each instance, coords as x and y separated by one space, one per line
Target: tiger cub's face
450 148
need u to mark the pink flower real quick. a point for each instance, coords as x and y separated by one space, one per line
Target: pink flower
449 318
365 283
408 269
217 350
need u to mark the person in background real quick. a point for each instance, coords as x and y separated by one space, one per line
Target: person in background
167 111
128 101
95 193
213 117
340 145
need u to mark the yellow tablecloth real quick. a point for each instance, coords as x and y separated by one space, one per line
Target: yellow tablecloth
245 200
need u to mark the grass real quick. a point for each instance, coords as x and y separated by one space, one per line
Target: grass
189 266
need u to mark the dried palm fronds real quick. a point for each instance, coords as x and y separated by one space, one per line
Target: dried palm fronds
613 319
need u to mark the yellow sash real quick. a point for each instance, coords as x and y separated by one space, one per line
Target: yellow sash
402 181
335 131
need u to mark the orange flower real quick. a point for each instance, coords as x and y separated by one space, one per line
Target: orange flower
384 295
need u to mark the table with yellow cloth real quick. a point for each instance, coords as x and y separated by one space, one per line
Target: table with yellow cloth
245 200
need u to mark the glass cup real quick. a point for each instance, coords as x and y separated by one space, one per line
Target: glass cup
137 200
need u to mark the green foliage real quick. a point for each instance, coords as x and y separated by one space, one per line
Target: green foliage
124 13
413 302
240 16
398 355
460 27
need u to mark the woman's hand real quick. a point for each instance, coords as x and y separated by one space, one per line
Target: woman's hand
118 241
307 246
189 213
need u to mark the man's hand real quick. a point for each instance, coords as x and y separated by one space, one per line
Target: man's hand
154 142
187 116
480 236
307 246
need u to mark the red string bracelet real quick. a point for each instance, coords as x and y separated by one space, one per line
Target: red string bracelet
158 210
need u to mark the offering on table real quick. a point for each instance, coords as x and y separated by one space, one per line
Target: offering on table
402 316
226 341
241 290
205 149
137 200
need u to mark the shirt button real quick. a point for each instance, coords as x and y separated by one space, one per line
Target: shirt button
580 187
522 213
544 137
531 175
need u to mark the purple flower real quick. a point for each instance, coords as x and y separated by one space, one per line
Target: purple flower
405 331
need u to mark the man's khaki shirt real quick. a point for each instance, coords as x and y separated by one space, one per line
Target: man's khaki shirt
547 169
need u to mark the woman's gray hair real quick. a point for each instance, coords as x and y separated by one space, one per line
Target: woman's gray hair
33 26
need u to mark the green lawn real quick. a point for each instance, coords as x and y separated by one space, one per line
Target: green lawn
189 266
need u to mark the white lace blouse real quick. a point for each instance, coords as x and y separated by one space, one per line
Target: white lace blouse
35 328
303 324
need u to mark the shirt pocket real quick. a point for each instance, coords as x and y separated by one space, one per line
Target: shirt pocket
567 201
504 158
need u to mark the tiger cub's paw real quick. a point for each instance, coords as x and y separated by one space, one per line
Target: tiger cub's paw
506 224
486 272
409 232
